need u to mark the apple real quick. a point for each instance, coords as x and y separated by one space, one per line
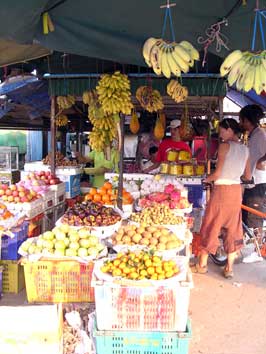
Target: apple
16 199
21 189
73 236
74 245
52 181
60 235
4 187
59 252
10 199
4 197
71 252
43 177
82 252
2 192
60 245
65 228
47 173
85 243
8 192
48 244
15 194
21 194
48 235
83 233
13 187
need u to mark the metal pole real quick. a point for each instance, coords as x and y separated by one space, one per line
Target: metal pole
121 164
53 134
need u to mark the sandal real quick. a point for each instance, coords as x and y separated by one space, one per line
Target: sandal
196 268
228 274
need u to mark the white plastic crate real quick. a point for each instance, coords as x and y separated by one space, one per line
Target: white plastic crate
30 210
60 192
142 308
49 200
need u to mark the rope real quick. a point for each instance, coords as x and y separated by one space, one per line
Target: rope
258 19
166 15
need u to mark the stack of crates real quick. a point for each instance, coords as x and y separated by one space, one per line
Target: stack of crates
13 275
142 319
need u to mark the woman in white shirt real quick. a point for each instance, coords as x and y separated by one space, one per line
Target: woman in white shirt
224 207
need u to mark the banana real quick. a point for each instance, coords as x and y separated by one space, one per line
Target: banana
194 54
147 48
235 71
174 67
181 63
257 80
242 76
165 67
229 61
156 57
249 79
183 53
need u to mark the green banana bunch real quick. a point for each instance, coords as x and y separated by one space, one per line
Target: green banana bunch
169 58
176 91
245 70
65 102
149 99
114 93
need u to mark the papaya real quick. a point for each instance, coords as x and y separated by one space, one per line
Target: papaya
158 130
162 119
134 123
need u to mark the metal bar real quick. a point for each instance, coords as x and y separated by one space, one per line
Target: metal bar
53 134
133 75
121 164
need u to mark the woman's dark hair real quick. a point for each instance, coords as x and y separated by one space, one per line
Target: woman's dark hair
230 123
153 150
252 112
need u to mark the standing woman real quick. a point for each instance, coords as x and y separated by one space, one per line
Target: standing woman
224 207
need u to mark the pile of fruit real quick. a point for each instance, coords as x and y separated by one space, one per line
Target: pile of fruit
170 197
60 160
178 92
61 120
16 193
246 70
155 237
104 126
90 214
36 178
114 93
5 213
62 241
138 266
157 215
108 195
149 99
169 58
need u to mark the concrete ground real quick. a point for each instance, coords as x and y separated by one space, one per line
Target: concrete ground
228 316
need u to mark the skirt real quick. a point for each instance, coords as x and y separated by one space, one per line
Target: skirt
223 212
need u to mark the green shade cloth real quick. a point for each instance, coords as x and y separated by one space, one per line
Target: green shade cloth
14 138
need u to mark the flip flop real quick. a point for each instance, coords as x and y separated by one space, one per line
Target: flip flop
228 274
195 268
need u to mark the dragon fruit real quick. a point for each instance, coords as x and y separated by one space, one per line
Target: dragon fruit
175 195
169 188
158 197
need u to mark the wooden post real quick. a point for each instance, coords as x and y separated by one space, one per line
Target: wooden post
53 134
221 108
121 164
44 143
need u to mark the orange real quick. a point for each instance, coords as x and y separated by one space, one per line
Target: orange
105 198
102 191
107 185
109 191
97 197
93 191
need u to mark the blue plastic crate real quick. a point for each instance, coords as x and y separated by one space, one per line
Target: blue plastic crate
10 246
196 195
120 342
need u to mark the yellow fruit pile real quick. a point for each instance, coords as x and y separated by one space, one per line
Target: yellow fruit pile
114 93
138 266
157 215
65 102
149 99
176 91
155 237
61 120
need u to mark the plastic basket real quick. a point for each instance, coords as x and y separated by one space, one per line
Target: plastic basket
142 308
143 343
13 277
55 281
10 246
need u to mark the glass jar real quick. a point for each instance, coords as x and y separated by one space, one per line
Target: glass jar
188 170
200 170
184 156
172 155
164 168
175 169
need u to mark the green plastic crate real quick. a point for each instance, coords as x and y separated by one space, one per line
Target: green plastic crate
120 342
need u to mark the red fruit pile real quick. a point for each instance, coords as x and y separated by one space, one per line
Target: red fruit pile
17 194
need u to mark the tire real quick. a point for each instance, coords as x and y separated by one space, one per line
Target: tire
219 259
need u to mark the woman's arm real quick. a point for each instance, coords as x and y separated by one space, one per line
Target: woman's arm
155 165
247 173
222 151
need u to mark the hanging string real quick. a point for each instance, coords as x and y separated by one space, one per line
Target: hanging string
259 16
167 15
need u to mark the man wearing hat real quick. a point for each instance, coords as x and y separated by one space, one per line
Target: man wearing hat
170 143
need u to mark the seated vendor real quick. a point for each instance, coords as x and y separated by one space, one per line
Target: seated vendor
174 143
152 160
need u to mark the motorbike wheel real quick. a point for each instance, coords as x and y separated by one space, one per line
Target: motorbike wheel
219 259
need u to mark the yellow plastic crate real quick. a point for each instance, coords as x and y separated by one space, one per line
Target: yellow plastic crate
13 277
58 281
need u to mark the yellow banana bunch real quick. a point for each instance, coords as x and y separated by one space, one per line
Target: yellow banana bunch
176 91
245 70
169 58
90 97
149 99
114 93
65 102
61 120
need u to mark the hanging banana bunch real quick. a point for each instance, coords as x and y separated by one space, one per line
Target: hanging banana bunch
176 91
114 93
149 99
134 123
158 129
61 120
65 102
90 97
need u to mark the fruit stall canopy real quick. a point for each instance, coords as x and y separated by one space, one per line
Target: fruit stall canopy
116 30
